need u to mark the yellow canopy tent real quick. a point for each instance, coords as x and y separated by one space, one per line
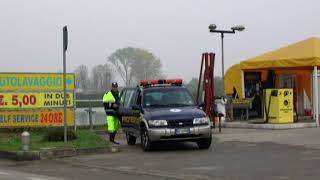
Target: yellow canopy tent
302 54
233 78
298 58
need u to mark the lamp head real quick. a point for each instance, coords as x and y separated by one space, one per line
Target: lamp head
212 27
238 28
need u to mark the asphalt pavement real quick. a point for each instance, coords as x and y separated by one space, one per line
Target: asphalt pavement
235 154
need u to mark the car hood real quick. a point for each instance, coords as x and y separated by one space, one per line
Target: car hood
173 113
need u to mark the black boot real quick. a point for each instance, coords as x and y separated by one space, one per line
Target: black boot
114 136
111 137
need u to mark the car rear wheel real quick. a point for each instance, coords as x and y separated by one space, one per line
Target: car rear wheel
204 143
131 140
146 144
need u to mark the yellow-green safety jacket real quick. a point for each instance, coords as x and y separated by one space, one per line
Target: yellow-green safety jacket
108 100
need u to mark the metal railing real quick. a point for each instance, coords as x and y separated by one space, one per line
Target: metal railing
88 109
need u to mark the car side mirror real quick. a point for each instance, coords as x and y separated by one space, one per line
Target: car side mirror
136 107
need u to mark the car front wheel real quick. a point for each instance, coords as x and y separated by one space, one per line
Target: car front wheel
204 143
146 144
131 140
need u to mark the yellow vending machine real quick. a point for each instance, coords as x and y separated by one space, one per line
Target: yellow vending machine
278 107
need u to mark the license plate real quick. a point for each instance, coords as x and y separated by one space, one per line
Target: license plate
182 131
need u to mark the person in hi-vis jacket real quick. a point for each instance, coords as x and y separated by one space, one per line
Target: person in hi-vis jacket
111 104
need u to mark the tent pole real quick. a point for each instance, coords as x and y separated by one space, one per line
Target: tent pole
313 95
316 95
242 83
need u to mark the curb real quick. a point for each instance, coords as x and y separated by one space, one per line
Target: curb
27 156
268 126
55 153
7 155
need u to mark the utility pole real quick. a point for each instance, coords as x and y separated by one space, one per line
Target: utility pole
65 46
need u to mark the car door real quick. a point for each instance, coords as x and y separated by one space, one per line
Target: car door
137 112
127 96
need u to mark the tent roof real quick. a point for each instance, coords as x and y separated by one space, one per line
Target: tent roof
305 53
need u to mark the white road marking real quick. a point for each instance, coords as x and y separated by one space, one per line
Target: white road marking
205 168
4 173
33 178
27 176
124 168
310 158
284 177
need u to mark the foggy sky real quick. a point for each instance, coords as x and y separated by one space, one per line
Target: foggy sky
176 31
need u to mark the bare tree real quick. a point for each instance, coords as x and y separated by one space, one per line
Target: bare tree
122 59
82 78
192 86
108 76
101 77
146 65
133 64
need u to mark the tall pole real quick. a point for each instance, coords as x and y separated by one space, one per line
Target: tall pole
316 95
222 36
65 45
212 29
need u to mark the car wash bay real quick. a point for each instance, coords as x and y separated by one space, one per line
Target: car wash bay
294 66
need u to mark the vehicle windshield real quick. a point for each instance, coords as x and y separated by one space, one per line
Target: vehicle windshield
167 97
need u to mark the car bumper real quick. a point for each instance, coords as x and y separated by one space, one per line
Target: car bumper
169 134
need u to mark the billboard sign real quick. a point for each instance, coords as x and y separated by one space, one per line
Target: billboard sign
35 99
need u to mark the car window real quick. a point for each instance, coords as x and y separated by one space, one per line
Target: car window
122 97
132 98
128 98
167 97
138 101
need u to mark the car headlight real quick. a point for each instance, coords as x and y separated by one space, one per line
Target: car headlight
158 123
202 121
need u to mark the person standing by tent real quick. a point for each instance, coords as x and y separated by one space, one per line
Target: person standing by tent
235 93
111 104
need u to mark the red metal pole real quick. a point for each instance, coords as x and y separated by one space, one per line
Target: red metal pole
200 77
207 68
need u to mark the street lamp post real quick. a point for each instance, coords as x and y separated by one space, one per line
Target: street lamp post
213 29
